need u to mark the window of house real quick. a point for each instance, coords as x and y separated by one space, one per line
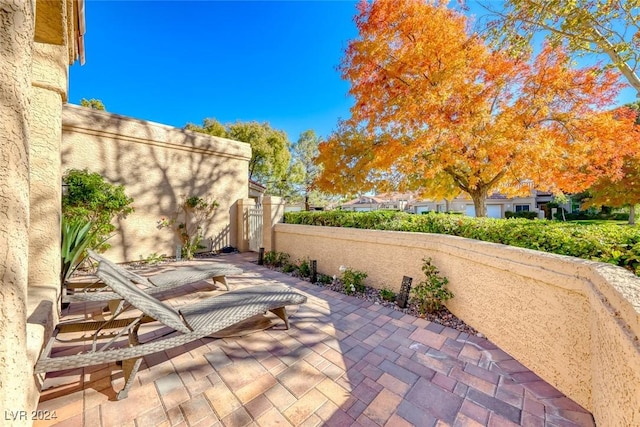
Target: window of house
522 208
575 207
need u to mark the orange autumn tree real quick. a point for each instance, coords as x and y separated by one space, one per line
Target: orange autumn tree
624 191
436 110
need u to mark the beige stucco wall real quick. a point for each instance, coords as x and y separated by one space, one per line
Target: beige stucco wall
574 322
157 165
36 46
16 43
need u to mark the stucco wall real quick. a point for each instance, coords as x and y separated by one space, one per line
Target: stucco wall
157 165
16 43
574 322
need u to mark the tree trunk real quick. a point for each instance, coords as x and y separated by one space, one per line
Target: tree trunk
479 197
447 205
306 202
632 214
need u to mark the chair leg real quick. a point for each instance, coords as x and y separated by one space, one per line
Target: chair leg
130 369
281 313
130 366
221 279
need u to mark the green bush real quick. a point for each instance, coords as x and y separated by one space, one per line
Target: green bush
325 279
387 294
353 280
288 268
611 243
521 214
431 294
88 197
304 267
276 259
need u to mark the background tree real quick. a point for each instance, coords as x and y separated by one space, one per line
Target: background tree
305 152
625 191
611 28
433 100
269 148
92 103
210 127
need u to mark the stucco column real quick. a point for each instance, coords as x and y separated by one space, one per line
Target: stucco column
49 91
273 211
242 221
16 44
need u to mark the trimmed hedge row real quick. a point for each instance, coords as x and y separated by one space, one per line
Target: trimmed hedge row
614 244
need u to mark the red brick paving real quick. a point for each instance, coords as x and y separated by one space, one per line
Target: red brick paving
344 362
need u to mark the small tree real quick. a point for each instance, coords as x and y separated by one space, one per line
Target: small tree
88 197
431 294
196 212
305 152
269 147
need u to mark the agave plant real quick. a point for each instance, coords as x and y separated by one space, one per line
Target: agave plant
76 237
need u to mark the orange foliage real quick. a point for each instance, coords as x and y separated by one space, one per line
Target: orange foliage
622 189
434 106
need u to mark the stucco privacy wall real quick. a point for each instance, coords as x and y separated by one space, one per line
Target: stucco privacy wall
157 165
574 322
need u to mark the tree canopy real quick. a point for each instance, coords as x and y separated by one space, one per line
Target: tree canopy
437 111
305 152
611 28
624 191
269 147
94 104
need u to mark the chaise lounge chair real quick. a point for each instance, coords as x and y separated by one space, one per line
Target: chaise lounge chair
189 323
97 291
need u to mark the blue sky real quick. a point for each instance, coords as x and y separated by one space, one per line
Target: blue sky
180 62
176 62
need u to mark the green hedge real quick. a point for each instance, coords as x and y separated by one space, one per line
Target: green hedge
615 244
523 214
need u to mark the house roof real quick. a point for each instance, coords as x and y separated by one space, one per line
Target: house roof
256 185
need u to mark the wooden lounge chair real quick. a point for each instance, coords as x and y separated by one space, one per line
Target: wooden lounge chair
189 323
96 290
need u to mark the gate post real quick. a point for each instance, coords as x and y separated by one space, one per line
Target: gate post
273 211
243 206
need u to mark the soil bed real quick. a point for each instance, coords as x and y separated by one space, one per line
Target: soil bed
443 317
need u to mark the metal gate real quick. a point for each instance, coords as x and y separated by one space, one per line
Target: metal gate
255 228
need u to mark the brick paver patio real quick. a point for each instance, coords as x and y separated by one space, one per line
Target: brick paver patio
344 362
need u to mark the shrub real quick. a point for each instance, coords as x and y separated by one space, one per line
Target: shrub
430 294
196 212
521 214
288 268
304 267
324 279
75 239
88 197
618 245
276 259
153 259
353 280
387 294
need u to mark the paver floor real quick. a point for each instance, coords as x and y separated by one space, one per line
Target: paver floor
345 361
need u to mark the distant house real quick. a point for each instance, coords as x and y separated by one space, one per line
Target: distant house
497 204
365 203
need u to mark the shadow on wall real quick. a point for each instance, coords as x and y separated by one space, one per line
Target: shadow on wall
158 166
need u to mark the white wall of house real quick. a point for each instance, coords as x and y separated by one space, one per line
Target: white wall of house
293 208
